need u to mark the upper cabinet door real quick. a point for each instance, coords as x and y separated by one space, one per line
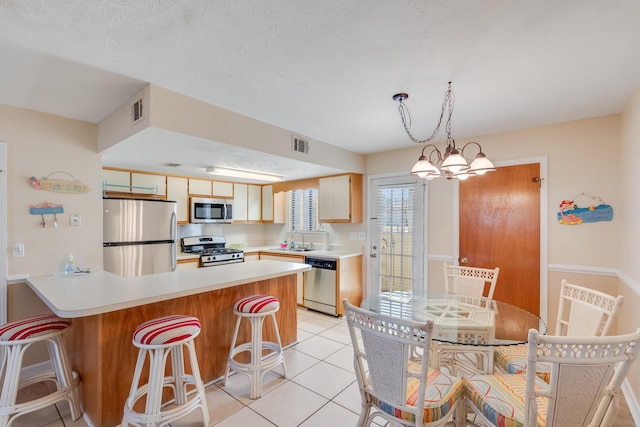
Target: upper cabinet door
144 183
221 189
340 198
240 202
267 203
178 190
199 187
254 207
115 181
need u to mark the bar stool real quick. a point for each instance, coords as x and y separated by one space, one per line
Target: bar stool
15 339
256 308
159 338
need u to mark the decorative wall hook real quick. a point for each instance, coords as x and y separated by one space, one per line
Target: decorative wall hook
46 208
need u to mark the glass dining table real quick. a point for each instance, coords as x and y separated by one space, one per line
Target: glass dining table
467 329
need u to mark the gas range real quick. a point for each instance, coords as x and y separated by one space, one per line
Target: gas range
212 250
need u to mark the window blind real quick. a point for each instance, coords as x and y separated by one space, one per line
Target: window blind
396 237
303 209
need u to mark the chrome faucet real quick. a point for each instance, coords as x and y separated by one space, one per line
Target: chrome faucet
293 244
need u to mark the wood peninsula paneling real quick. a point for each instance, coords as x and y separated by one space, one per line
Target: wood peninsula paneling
105 357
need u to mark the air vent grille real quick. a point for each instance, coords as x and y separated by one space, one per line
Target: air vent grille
299 145
171 164
137 113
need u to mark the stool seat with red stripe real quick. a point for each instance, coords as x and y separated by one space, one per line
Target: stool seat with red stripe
15 339
166 330
256 304
264 355
157 337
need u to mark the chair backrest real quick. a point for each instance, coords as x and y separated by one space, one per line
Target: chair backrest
586 374
585 312
382 347
463 280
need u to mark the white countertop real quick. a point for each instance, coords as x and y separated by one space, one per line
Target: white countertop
333 254
100 292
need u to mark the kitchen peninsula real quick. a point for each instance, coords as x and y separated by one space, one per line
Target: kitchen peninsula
106 308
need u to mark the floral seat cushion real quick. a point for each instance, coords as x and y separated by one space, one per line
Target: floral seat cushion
441 393
500 398
513 359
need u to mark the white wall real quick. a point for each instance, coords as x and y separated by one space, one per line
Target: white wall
39 145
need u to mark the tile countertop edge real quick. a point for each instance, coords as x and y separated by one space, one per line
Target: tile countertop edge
102 292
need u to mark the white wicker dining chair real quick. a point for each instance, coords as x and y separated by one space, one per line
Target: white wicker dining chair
397 388
581 312
586 375
466 284
463 280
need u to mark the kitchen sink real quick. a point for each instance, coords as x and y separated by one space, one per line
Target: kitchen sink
293 250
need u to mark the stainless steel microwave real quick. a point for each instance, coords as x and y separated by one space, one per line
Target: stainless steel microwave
210 211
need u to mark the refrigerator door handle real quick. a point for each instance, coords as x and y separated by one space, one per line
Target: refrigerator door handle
173 226
174 254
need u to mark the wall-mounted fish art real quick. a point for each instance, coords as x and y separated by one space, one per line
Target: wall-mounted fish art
57 185
593 211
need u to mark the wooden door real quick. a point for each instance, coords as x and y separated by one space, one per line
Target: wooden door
500 227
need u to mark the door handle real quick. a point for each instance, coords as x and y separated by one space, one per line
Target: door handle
463 260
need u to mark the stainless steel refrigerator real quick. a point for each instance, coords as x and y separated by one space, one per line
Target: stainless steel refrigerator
139 236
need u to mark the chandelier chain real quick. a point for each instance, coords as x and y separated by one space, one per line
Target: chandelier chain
447 105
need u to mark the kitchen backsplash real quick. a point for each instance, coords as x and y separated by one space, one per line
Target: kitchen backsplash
342 236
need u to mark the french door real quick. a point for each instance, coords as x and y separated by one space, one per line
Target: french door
398 236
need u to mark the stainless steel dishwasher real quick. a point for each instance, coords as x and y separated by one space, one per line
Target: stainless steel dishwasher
320 285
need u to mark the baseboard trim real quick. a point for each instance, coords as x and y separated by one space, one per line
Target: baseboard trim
632 401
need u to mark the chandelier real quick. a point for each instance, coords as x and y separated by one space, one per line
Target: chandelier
451 165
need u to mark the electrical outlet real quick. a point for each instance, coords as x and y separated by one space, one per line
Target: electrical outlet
353 235
362 235
74 220
18 250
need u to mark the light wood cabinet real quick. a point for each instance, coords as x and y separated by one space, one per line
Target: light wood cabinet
151 184
251 256
187 264
348 282
125 183
178 190
246 203
239 202
199 187
280 207
340 198
116 181
298 259
221 189
254 202
267 203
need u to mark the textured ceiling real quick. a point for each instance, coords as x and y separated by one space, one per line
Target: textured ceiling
327 69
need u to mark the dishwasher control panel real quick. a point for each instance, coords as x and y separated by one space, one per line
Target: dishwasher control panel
323 263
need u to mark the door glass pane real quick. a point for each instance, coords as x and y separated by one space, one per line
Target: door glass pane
398 242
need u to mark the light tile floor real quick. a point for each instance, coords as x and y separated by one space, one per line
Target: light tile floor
320 390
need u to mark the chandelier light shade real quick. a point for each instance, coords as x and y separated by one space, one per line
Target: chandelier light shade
451 165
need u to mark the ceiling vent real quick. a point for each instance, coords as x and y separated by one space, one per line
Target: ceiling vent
299 145
137 112
171 164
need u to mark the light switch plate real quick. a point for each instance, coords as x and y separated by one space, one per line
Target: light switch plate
353 235
74 220
362 235
18 250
